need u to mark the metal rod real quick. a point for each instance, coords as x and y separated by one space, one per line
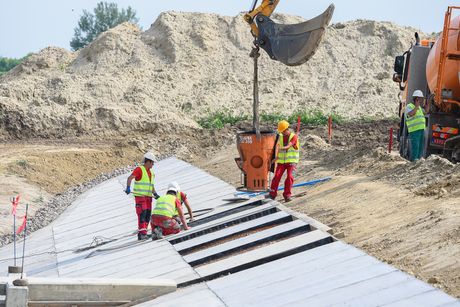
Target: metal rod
14 236
298 127
253 6
24 243
255 121
329 129
301 184
390 142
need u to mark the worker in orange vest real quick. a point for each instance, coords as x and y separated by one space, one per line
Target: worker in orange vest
287 159
143 191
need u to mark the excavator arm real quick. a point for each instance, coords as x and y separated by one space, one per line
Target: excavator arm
266 8
292 44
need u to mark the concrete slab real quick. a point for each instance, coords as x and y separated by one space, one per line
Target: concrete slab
187 297
308 272
328 275
220 250
16 296
106 211
220 221
231 230
89 289
314 237
408 292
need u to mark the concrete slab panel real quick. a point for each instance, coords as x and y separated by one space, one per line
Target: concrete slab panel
114 257
221 221
245 241
292 293
410 292
310 273
397 286
332 274
303 263
187 297
264 220
89 289
263 252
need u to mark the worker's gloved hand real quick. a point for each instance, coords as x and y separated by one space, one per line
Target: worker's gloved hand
155 195
128 190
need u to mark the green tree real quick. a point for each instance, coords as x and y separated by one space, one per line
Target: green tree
105 16
7 64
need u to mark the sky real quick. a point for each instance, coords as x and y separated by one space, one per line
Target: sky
30 25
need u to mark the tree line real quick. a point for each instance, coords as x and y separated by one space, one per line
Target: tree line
105 16
7 64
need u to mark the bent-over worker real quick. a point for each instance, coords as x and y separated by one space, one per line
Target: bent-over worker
143 191
163 222
287 159
182 197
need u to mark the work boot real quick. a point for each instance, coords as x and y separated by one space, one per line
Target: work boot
268 196
287 199
157 234
142 236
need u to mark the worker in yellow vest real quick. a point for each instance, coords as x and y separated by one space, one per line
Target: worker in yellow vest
287 159
415 122
143 191
182 197
163 222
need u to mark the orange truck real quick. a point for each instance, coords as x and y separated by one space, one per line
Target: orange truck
434 68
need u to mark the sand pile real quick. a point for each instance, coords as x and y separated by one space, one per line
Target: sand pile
311 141
187 65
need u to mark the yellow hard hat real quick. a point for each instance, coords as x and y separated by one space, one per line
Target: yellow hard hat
282 125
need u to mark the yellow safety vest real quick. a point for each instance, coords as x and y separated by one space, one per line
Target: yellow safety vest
288 156
165 206
144 187
416 122
180 200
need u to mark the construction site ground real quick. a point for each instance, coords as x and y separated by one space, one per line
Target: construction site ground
404 213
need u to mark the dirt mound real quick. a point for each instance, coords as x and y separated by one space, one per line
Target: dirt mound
312 141
187 65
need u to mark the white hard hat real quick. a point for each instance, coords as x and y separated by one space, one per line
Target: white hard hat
173 186
149 156
418 93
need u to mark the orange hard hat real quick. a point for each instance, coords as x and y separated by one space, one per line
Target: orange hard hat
282 125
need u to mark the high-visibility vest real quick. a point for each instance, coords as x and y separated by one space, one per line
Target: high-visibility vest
416 122
165 206
180 200
288 156
144 187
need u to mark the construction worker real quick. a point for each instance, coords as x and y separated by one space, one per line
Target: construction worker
163 222
183 200
287 159
415 121
143 191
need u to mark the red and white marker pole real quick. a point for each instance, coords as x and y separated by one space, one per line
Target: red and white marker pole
390 142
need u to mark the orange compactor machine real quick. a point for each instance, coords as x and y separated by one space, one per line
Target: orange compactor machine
434 68
292 45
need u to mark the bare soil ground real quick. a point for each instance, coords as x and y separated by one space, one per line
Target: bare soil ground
39 169
406 214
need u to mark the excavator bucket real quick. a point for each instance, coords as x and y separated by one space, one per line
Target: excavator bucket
292 44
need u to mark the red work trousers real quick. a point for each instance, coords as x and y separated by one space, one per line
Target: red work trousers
143 211
280 168
168 225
